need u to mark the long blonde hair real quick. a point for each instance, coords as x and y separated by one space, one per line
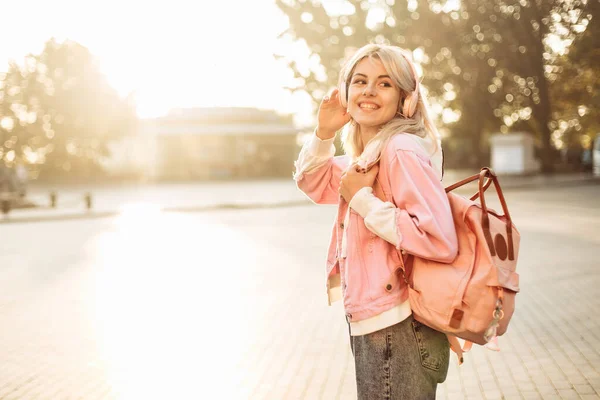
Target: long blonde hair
398 64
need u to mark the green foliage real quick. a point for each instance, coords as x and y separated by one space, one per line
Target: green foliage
58 112
489 61
577 88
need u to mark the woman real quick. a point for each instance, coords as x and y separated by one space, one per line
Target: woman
391 204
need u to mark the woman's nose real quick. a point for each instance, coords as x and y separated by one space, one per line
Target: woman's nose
369 90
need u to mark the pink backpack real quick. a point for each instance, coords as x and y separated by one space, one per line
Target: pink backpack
473 297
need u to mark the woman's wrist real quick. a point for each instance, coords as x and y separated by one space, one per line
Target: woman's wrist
324 134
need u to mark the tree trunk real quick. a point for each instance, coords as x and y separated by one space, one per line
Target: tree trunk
542 110
544 116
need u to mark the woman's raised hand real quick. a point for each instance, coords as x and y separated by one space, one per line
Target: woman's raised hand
332 116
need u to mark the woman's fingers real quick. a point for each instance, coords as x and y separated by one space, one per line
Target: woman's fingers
331 115
374 169
360 169
331 95
331 99
371 174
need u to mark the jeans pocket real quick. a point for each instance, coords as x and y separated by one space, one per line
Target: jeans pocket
434 349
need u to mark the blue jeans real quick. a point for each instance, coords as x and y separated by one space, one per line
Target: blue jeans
403 361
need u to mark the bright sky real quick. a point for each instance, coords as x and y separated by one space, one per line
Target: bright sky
175 53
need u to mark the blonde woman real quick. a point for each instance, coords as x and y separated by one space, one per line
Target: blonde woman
391 204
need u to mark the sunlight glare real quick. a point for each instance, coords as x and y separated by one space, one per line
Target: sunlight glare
168 314
141 210
170 55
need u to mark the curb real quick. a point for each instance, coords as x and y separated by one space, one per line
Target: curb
57 215
106 214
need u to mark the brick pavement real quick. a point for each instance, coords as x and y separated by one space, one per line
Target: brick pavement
123 308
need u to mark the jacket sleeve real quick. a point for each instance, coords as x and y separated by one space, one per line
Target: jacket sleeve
419 220
318 172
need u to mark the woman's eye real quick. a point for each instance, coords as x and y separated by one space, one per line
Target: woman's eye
359 81
386 84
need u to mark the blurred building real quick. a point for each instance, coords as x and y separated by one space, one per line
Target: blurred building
215 143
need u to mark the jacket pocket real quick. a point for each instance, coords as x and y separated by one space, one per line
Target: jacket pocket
434 349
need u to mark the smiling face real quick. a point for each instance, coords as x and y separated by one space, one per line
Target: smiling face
373 97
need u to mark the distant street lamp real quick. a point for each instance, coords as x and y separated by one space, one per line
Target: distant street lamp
5 198
5 206
88 201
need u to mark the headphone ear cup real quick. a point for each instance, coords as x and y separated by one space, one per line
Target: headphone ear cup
410 105
406 106
414 100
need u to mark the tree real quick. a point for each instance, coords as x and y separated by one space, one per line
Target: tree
59 112
487 60
577 88
535 33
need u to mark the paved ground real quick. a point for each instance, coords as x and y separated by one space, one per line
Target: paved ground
112 199
231 305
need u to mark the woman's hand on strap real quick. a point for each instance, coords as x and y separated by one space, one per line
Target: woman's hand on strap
332 116
356 178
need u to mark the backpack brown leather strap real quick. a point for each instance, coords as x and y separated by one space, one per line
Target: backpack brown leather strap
462 183
489 176
487 172
469 180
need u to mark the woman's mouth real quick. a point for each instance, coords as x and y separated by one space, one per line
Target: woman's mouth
368 106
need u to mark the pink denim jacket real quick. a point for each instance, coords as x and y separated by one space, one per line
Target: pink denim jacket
423 222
